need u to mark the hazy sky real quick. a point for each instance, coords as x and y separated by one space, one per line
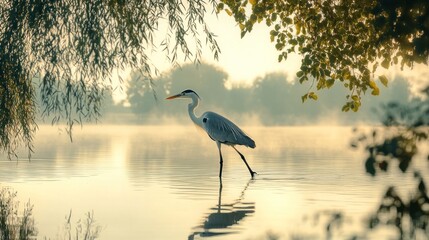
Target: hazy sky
245 59
253 56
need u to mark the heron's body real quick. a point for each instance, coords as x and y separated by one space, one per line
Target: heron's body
220 129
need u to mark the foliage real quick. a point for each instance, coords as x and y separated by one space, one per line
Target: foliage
15 224
405 128
407 215
341 41
406 24
72 47
404 132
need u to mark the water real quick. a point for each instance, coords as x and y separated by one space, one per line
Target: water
157 182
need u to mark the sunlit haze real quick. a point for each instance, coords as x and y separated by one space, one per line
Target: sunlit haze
242 58
245 59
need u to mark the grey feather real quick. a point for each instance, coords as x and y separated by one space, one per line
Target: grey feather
223 130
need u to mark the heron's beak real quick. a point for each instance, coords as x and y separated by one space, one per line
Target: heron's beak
174 96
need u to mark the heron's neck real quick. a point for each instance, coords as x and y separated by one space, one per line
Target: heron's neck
191 108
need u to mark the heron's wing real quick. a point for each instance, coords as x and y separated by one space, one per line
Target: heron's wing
223 130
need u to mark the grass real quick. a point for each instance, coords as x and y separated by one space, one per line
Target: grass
86 229
17 224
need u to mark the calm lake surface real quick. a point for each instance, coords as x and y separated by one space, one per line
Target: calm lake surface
161 182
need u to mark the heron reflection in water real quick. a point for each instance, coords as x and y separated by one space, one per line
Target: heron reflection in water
224 216
219 129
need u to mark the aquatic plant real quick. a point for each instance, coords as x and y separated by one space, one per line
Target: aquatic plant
86 229
15 223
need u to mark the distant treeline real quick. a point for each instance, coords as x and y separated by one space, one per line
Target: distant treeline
269 100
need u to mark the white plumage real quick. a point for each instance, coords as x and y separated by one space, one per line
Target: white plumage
220 129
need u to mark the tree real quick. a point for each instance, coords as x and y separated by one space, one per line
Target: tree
270 99
204 79
341 41
72 48
140 95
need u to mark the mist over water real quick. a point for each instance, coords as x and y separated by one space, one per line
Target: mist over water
268 100
161 182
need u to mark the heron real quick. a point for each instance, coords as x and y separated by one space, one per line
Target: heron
220 129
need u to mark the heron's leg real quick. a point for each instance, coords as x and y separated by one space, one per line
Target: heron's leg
252 173
221 159
219 204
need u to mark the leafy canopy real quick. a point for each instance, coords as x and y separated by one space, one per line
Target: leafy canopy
72 47
341 41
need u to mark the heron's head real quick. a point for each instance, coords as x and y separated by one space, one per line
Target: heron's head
185 94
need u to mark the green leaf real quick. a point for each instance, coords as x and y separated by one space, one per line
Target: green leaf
293 42
395 60
385 63
326 71
304 97
346 75
288 20
279 46
313 96
330 83
274 17
243 33
357 104
228 12
299 74
298 28
372 84
375 91
220 7
383 80
354 107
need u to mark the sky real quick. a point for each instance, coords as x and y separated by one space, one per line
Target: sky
245 59
249 57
